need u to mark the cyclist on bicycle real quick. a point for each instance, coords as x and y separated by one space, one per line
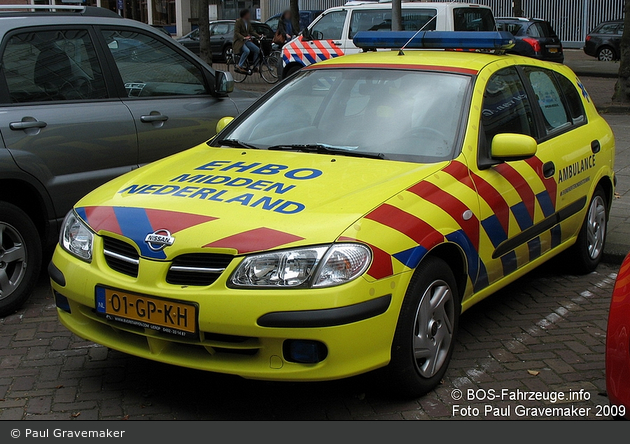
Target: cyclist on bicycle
242 43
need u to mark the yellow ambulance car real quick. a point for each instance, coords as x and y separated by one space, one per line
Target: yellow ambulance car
344 222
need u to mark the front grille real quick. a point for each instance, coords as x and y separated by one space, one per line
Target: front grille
121 256
197 269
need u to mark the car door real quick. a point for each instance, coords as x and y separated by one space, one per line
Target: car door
567 148
59 117
218 34
516 197
327 36
166 91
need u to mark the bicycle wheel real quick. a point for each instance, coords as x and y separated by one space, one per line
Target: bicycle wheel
239 77
269 69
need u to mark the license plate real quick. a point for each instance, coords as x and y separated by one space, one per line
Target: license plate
163 315
553 50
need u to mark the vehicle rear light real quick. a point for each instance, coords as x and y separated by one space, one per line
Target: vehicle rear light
535 44
588 38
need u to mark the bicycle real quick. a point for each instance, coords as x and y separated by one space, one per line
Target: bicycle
267 64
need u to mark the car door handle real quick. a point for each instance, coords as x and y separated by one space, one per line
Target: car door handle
596 146
27 124
336 43
154 118
549 169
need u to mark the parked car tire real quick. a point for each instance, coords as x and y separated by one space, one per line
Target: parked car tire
425 333
227 52
20 257
588 250
606 54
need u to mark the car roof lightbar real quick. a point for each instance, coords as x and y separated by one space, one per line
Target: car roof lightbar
498 41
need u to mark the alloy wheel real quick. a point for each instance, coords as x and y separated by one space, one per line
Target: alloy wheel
596 227
434 328
13 257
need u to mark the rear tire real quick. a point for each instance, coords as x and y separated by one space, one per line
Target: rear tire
425 334
588 250
20 258
269 70
226 54
606 54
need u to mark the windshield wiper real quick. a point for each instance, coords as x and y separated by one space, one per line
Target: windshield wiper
321 148
234 143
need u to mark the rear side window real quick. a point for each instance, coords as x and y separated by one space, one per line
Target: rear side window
381 20
549 98
473 19
513 28
52 66
608 28
573 99
506 107
541 30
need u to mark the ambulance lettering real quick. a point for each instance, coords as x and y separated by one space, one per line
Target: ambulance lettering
576 168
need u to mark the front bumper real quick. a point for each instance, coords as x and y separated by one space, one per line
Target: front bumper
241 332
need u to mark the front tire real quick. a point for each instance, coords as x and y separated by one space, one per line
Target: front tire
588 250
425 334
20 258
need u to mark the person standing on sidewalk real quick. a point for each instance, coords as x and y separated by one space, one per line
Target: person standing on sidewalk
243 33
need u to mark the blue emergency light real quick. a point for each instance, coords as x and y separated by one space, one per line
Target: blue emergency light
464 40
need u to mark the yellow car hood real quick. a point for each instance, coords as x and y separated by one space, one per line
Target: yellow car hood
239 201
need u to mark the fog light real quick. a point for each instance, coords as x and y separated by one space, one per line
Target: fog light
62 302
304 352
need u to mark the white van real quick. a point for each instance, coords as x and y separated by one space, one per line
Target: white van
330 35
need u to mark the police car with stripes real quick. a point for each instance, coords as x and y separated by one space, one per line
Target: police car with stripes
402 188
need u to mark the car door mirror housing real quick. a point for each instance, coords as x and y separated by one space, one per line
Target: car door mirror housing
306 34
510 147
223 123
224 83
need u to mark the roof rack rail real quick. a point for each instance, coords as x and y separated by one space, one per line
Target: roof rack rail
90 11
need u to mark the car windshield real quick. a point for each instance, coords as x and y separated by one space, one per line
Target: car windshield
392 114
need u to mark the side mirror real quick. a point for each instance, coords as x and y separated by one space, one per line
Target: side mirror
509 147
224 83
306 34
223 123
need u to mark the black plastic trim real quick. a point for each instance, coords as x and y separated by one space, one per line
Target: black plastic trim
328 317
56 275
539 228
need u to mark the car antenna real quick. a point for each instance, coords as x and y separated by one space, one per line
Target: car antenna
402 49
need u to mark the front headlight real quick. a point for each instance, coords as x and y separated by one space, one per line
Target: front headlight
323 266
76 238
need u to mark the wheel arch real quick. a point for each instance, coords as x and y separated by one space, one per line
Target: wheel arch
609 46
455 258
26 197
291 66
606 183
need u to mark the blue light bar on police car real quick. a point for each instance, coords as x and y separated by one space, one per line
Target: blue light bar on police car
465 40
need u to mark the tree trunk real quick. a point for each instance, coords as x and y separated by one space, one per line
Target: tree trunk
622 88
295 16
205 52
396 15
518 8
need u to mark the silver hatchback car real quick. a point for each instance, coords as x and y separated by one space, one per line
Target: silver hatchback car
86 96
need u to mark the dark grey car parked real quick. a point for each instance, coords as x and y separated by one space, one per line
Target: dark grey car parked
86 96
534 38
604 42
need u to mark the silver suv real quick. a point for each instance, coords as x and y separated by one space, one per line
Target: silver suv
85 96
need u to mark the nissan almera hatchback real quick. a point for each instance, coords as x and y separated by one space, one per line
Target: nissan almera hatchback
345 221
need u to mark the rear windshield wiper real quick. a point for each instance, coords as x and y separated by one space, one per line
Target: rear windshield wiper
234 143
326 149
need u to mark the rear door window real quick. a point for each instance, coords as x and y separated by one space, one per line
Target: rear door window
549 99
473 19
573 99
52 65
